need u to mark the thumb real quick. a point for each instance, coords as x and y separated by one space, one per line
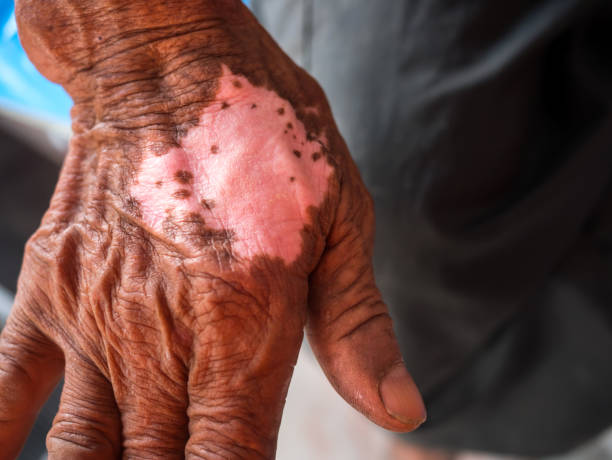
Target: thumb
349 327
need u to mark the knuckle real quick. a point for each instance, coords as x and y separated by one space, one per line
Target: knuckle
364 312
67 442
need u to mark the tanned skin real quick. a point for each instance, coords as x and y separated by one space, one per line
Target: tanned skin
208 212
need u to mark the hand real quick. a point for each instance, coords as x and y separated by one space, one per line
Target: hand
208 210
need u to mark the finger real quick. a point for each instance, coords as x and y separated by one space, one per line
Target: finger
153 412
349 327
87 425
238 383
30 367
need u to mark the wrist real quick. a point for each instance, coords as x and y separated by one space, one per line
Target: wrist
139 91
109 49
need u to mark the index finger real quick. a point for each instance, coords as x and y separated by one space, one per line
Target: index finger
30 367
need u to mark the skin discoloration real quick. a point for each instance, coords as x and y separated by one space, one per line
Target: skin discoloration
183 177
263 220
316 156
132 206
182 194
169 227
225 105
207 204
281 111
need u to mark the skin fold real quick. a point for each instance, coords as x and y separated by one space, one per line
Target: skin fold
207 212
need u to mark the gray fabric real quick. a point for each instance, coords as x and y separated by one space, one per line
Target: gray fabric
6 300
543 384
483 131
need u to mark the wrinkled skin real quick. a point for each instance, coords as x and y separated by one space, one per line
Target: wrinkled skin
208 210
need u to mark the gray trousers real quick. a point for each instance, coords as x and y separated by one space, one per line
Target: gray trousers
483 131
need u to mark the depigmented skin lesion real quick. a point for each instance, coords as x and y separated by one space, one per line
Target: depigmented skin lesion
266 220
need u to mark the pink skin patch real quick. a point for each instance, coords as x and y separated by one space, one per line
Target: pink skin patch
248 166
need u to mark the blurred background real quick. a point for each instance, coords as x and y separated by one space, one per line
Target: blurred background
34 132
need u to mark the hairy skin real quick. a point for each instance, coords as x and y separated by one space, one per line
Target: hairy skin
207 211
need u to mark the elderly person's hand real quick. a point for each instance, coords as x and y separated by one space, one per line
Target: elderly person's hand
207 211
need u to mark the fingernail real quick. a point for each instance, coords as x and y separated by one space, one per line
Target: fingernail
401 397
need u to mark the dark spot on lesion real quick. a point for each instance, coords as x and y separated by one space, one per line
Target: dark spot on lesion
310 137
285 131
297 153
214 149
217 236
158 184
294 137
192 227
281 111
316 156
182 194
292 179
196 218
237 84
132 206
181 130
324 149
289 125
207 204
169 227
195 226
253 106
184 177
225 105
